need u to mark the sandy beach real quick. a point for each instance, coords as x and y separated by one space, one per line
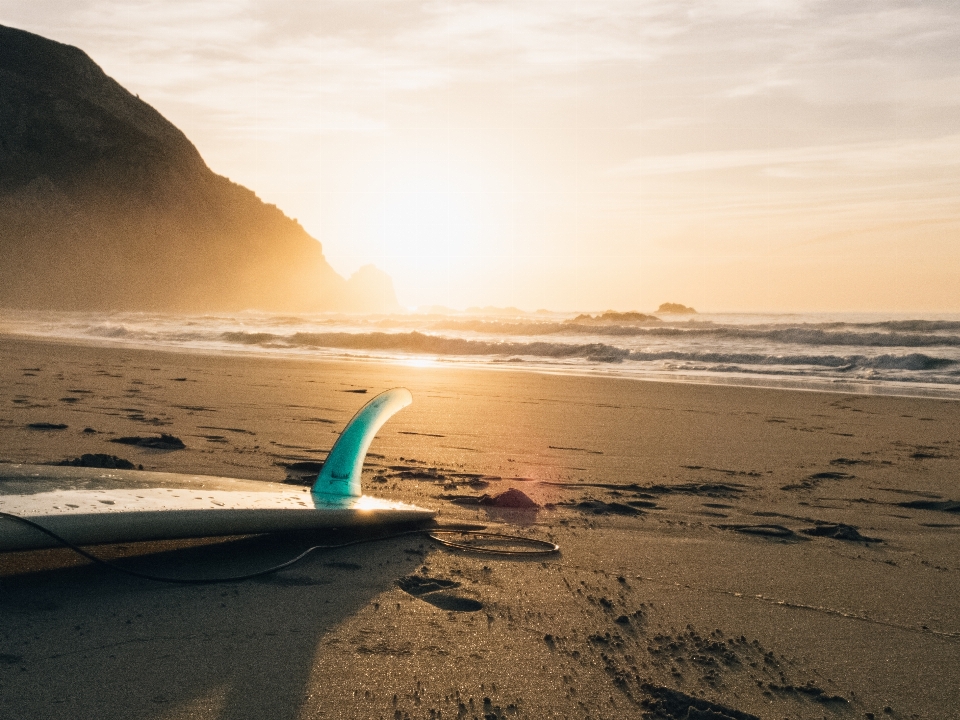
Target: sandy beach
726 552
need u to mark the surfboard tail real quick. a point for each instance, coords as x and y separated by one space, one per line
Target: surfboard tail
340 475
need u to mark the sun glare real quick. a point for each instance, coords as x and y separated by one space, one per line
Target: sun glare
436 223
429 231
420 362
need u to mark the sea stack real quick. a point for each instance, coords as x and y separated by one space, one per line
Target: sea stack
675 309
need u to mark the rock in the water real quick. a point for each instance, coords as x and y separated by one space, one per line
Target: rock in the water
676 309
612 317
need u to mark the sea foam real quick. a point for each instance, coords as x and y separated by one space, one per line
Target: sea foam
871 353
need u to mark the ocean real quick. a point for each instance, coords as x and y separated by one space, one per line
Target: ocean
910 355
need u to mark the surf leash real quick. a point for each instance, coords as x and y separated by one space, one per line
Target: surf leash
471 539
492 543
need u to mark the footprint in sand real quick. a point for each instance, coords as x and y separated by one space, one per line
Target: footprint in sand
436 591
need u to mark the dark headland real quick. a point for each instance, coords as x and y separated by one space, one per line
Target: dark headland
104 204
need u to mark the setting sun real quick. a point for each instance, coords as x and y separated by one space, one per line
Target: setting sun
428 228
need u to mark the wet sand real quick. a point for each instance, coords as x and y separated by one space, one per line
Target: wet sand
726 552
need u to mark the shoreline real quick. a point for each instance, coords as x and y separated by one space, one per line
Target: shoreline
709 548
901 389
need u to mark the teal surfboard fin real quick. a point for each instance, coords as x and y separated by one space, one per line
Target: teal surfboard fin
340 475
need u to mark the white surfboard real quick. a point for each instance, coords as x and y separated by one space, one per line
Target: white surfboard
91 505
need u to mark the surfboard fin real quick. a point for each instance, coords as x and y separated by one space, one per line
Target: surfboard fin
340 475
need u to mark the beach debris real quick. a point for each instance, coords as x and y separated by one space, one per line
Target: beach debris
926 454
46 426
599 507
950 506
812 481
773 531
302 473
511 498
839 531
164 442
237 430
846 461
714 490
99 460
575 449
462 499
724 471
411 472
651 492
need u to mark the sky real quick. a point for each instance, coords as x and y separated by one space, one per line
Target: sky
789 155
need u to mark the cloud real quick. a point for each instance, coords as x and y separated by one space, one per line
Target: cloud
350 52
635 110
810 161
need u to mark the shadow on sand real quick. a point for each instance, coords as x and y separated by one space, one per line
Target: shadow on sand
80 640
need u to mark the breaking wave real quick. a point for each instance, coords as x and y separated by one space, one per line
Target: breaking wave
421 343
916 333
847 351
417 342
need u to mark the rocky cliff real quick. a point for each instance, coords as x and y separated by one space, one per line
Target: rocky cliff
104 204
